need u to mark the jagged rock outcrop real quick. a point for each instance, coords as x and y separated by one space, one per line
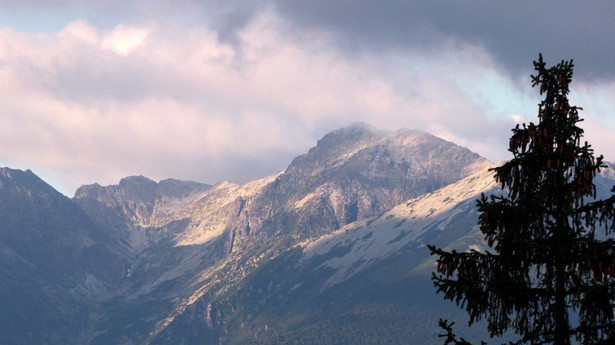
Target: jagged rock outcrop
137 209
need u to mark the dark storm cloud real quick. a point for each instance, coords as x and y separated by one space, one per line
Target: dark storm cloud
514 32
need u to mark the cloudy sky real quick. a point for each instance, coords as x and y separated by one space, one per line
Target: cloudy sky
93 91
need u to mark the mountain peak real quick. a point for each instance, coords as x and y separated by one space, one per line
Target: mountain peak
8 173
20 181
352 134
136 180
360 141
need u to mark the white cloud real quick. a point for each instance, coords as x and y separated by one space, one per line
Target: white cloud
519 119
123 40
82 30
96 105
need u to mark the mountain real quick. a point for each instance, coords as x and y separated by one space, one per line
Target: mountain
365 283
330 250
55 263
359 171
207 237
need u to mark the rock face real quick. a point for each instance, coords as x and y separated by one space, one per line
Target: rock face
333 244
129 209
354 173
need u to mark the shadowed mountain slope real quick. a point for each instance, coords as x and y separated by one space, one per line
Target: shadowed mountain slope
55 263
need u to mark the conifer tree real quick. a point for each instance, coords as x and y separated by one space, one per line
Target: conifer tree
549 275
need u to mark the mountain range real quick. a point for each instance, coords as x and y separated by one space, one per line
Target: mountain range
331 250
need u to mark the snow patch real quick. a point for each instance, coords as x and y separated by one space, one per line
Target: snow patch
367 240
474 247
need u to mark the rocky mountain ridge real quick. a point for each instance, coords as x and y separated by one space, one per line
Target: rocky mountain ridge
352 173
340 234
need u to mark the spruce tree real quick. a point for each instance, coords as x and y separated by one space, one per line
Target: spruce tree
549 274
